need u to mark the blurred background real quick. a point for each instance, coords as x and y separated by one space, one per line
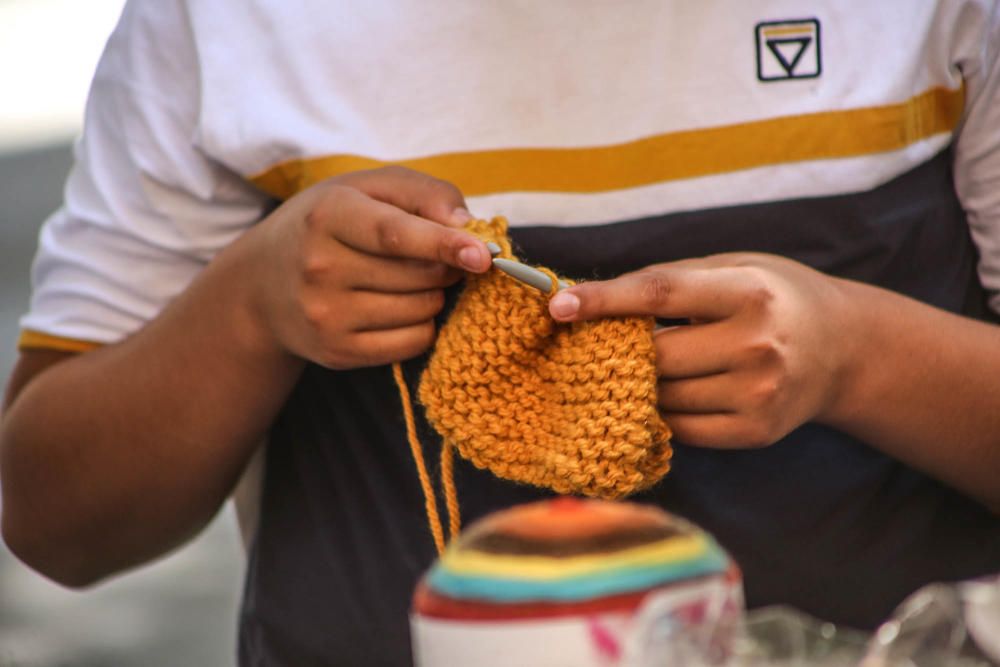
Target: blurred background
181 610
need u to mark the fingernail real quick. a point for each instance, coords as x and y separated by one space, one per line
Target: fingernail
460 216
564 304
470 258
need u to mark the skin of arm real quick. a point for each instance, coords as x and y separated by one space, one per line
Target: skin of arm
113 457
774 344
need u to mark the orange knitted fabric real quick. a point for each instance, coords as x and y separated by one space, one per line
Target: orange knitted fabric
570 407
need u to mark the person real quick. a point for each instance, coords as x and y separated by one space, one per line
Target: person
816 192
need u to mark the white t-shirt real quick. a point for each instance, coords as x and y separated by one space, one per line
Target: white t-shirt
572 113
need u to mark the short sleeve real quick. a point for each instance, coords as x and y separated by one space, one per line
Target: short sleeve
145 208
977 150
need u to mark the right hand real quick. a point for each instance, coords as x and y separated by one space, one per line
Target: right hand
352 271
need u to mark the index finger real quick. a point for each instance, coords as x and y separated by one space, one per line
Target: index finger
414 192
381 229
663 291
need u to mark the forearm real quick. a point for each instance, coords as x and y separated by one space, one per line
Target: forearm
113 457
923 385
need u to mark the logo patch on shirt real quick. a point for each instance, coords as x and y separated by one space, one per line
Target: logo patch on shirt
788 50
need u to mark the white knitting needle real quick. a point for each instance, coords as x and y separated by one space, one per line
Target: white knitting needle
522 272
530 276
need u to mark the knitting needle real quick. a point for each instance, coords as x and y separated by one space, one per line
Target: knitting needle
522 272
531 276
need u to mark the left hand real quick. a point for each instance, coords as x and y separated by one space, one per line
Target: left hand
767 349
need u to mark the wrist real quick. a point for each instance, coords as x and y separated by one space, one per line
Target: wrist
855 316
237 288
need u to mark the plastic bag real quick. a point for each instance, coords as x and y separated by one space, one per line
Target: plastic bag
940 625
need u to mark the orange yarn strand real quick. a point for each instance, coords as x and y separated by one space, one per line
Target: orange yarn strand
433 520
450 493
553 277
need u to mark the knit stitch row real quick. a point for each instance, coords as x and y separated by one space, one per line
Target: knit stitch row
569 407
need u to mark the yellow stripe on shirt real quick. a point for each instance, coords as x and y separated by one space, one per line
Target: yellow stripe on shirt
36 340
655 159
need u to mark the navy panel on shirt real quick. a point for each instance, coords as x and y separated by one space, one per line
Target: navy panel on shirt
818 520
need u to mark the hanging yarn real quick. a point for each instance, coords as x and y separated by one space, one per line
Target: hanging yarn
569 407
